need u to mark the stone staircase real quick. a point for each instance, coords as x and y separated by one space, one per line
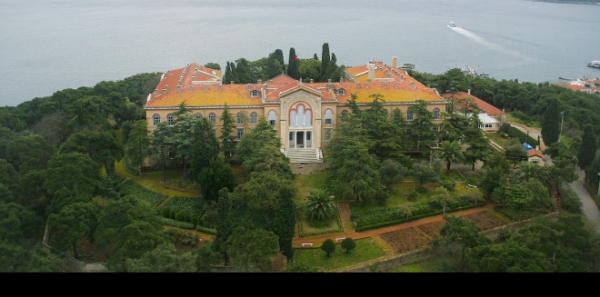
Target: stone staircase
310 155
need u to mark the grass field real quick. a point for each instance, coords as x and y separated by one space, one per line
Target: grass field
365 250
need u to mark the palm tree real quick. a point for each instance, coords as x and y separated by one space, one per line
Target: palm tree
451 152
320 205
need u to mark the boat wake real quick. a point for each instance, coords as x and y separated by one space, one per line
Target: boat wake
478 39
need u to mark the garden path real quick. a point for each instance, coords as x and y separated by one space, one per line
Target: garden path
344 211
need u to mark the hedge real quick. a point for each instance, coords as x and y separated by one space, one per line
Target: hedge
392 216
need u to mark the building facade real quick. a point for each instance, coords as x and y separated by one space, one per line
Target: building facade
304 114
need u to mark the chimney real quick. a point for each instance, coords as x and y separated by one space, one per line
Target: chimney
164 91
259 81
412 85
232 82
205 87
394 63
371 71
249 87
311 80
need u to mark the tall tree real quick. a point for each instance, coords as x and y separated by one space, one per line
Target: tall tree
74 171
137 145
284 225
355 172
216 176
325 59
252 248
161 145
73 223
293 68
223 225
421 127
588 148
205 146
227 139
101 146
551 122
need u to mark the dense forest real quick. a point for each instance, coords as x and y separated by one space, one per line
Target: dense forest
57 158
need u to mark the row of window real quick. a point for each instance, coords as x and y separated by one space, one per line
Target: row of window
299 117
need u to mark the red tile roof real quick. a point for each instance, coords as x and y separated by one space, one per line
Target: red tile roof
534 152
201 86
483 106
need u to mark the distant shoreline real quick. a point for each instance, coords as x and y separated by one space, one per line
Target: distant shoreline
597 2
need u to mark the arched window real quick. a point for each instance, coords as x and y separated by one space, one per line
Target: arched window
328 117
253 118
436 113
272 119
212 117
170 120
300 116
409 115
240 118
156 119
198 116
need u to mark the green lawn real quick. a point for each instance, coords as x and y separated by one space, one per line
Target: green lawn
364 251
153 180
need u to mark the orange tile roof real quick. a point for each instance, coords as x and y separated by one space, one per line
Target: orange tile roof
484 106
534 152
200 86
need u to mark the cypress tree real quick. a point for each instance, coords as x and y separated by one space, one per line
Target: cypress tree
293 69
285 223
278 55
551 123
588 147
224 224
227 140
325 58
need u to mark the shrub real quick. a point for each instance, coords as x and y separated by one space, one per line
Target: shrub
413 195
450 185
165 211
328 247
570 202
172 214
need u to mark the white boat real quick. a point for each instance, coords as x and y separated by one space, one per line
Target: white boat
451 24
594 64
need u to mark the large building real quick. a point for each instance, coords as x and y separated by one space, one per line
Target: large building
305 114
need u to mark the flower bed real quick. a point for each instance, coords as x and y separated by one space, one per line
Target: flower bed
405 240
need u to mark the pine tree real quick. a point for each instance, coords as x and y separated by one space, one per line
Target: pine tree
551 123
588 147
325 58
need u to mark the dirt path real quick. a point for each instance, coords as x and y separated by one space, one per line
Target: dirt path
344 210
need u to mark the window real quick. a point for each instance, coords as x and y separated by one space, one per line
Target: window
436 113
240 118
254 93
328 117
272 119
198 116
212 117
327 134
253 118
156 119
436 129
214 131
409 131
344 115
240 133
300 116
340 92
170 120
409 115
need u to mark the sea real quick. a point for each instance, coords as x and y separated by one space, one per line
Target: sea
50 45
